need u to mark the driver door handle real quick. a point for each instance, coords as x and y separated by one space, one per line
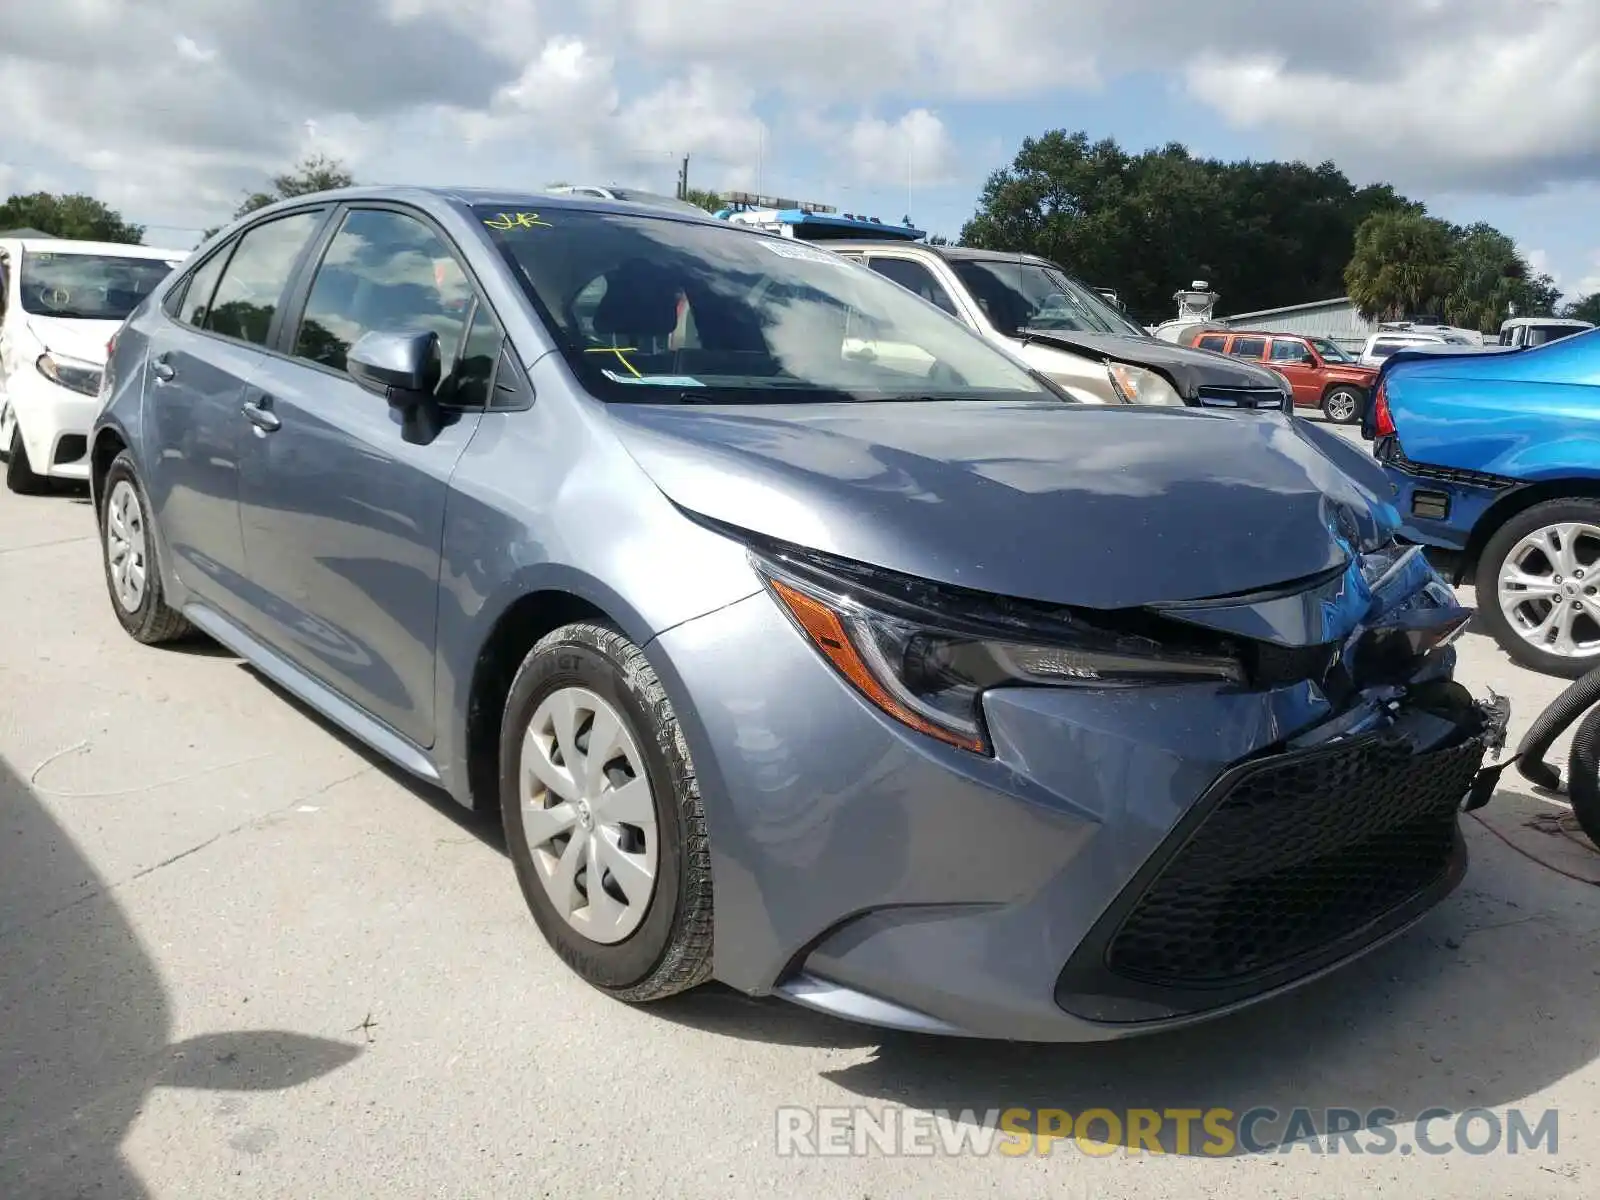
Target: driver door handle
259 413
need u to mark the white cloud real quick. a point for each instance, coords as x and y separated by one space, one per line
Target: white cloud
179 106
915 150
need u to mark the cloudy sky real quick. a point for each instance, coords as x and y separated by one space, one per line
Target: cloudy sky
1485 108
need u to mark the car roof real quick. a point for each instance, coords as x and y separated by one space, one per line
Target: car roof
107 249
1266 333
529 198
949 253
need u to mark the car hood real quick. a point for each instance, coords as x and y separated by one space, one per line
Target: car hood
73 337
1188 369
1101 507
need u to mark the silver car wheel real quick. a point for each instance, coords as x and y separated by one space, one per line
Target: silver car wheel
588 814
1550 589
1341 405
126 545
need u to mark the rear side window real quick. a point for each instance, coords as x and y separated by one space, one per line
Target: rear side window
1384 349
1249 347
1213 341
194 297
915 277
254 281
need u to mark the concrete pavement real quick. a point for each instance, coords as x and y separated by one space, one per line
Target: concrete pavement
239 957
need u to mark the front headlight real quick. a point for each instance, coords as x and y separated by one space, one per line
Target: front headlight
925 656
72 374
1140 385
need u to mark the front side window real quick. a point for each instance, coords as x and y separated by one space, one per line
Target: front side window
1016 295
254 280
384 272
649 308
90 287
1249 347
1382 350
914 277
1289 352
1330 351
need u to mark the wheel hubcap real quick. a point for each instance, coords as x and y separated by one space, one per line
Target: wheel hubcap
126 545
588 814
1341 406
1550 589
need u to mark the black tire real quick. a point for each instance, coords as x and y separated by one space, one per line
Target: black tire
153 621
20 475
1487 580
1341 400
670 951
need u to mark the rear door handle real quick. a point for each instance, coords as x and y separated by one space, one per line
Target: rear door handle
162 369
259 413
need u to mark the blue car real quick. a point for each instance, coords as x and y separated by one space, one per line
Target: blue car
908 689
1496 455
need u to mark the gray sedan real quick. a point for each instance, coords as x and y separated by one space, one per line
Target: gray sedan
907 689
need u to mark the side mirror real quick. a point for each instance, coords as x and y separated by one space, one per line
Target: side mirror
404 368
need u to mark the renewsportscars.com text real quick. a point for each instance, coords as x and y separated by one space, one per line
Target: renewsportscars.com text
858 1131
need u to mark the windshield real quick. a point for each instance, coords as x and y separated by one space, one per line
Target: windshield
655 309
91 287
1018 295
1329 351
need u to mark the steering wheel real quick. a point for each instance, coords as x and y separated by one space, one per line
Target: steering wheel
55 297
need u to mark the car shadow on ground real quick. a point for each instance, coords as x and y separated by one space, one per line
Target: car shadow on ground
86 1022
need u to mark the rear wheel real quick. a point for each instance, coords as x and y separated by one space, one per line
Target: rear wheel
1343 405
603 817
20 475
128 548
1538 582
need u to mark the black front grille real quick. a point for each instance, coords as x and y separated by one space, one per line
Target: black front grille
1226 397
1299 851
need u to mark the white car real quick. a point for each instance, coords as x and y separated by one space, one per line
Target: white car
1385 342
61 302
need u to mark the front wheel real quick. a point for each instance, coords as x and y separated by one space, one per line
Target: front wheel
1538 582
603 817
1343 405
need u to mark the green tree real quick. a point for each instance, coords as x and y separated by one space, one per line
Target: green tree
1404 262
709 201
314 173
69 216
1489 277
1584 308
1262 233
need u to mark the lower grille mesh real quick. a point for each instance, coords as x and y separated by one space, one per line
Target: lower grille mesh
1302 850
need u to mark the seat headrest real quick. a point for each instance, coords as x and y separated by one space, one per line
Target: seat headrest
641 299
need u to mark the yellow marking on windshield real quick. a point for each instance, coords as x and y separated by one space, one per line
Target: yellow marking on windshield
621 352
520 220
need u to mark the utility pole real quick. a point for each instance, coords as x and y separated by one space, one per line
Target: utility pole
683 179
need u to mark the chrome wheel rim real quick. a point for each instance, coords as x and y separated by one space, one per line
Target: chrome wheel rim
588 815
126 546
1550 589
1341 406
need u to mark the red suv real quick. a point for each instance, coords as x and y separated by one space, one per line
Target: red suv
1322 375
